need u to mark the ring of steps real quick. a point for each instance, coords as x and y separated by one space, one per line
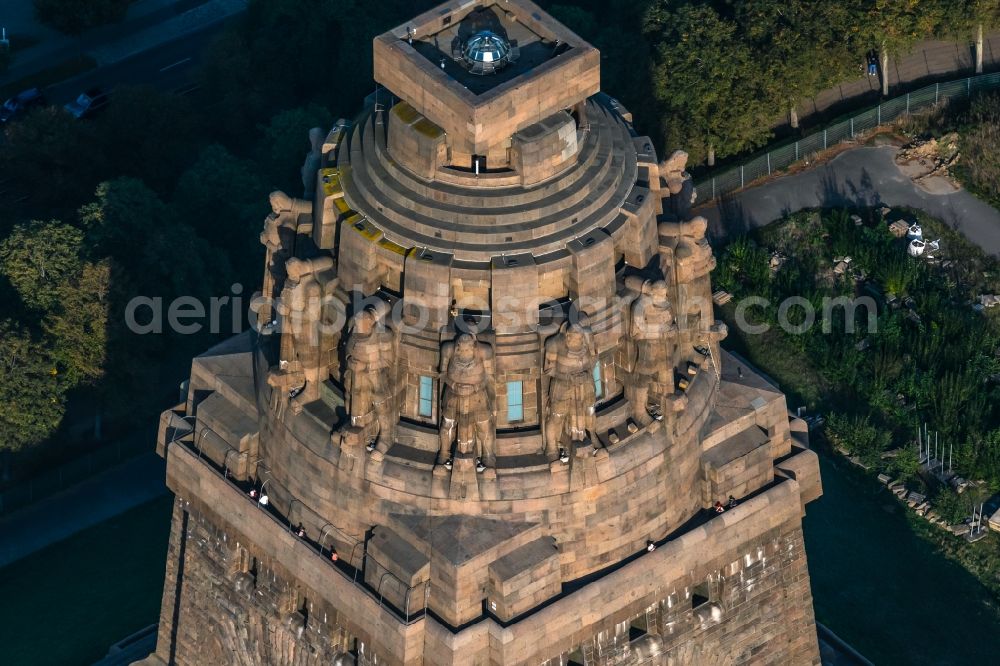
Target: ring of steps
486 204
479 195
479 212
475 223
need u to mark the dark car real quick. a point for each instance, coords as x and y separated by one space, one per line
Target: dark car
20 103
87 103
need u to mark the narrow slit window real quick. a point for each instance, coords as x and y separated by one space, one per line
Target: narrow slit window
515 402
426 407
598 382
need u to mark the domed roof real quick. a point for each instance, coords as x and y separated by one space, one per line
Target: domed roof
486 47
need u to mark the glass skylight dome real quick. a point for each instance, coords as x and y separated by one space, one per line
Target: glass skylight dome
488 49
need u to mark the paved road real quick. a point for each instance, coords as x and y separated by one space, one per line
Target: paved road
162 46
52 47
97 499
169 67
858 177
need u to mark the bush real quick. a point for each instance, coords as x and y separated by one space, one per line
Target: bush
75 16
857 436
980 148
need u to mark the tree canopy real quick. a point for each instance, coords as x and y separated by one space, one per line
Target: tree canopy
75 16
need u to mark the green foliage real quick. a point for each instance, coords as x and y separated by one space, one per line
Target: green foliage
75 16
38 258
29 389
723 72
67 297
52 159
896 25
906 465
936 363
287 53
710 91
285 143
746 264
979 145
953 507
896 274
857 435
224 198
791 37
150 135
172 260
78 326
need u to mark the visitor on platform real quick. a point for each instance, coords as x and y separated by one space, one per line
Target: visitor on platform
253 493
718 507
732 502
263 500
301 531
333 555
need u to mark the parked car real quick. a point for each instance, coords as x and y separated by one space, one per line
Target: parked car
20 103
88 103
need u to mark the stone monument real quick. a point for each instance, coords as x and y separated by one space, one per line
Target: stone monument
426 453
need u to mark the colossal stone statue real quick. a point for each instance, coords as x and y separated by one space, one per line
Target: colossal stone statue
468 405
370 356
652 333
677 179
301 306
570 356
312 162
278 237
686 260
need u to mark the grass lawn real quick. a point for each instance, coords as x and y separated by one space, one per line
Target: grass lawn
68 603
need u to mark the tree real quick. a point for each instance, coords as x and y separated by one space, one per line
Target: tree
896 25
224 199
75 16
77 327
577 19
858 436
253 74
158 254
789 38
38 258
154 255
980 13
150 135
55 160
286 142
30 390
711 93
979 167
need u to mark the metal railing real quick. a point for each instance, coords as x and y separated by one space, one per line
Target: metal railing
785 155
351 571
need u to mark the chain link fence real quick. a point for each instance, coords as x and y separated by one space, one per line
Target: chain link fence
69 474
783 156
